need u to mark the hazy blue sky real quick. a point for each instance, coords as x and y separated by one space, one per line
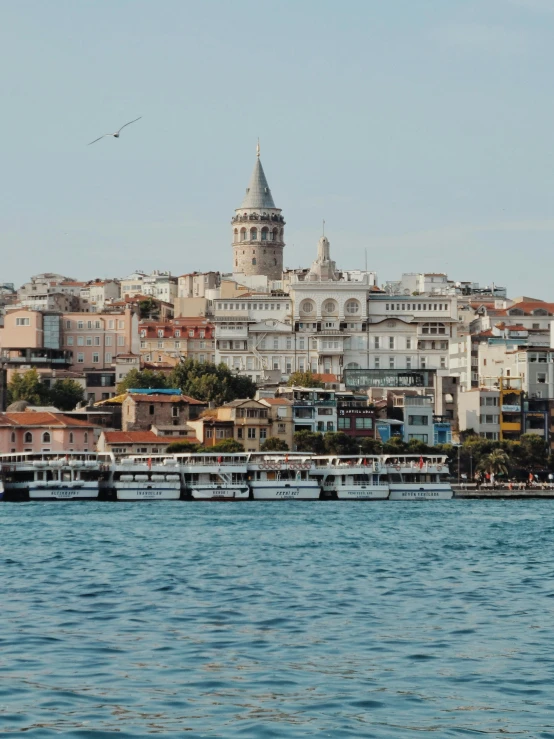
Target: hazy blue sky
421 130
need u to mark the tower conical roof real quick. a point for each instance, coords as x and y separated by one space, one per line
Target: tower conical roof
258 194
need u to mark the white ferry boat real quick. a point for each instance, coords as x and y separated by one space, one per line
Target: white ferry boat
141 478
214 476
282 477
52 476
418 477
352 477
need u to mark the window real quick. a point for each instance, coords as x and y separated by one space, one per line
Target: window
46 438
391 362
443 362
80 358
175 411
391 342
95 358
160 345
151 410
121 341
263 434
364 423
240 433
423 362
69 341
22 321
301 343
121 324
352 306
275 343
408 363
408 343
28 437
71 437
80 324
307 306
376 363
418 420
111 323
96 341
254 260
80 340
377 342
289 343
251 432
419 437
329 306
68 324
89 341
108 341
85 439
344 423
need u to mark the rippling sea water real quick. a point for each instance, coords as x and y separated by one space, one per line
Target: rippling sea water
283 619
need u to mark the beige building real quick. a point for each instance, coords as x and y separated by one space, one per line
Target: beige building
252 424
142 411
281 417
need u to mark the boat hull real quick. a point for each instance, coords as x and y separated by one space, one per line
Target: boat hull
420 492
285 491
371 492
220 492
146 492
65 492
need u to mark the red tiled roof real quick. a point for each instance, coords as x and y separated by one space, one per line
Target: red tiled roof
276 401
142 437
325 377
41 418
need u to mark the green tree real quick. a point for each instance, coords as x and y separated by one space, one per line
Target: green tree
304 379
532 452
395 445
148 308
274 444
183 447
227 446
371 446
309 441
210 382
65 394
143 379
28 387
496 463
337 442
416 446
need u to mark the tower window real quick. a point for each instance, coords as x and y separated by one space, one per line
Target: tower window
243 234
254 260
253 234
274 234
264 234
236 234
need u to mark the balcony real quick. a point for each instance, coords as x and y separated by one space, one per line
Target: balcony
510 425
37 357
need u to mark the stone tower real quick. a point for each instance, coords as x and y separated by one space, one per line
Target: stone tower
258 230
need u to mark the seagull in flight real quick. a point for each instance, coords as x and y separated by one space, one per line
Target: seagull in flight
116 134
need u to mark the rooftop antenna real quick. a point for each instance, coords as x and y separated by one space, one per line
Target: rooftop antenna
258 147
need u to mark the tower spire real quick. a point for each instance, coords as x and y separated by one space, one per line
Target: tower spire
258 148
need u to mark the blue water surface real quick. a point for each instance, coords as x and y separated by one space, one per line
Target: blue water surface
284 619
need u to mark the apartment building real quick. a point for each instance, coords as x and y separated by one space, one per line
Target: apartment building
183 337
96 340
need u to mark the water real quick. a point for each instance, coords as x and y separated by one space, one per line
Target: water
282 619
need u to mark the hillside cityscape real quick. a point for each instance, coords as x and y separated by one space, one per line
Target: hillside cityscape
320 358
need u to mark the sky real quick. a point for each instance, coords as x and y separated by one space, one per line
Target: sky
420 131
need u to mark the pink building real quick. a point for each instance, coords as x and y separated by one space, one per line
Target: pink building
96 340
22 329
38 431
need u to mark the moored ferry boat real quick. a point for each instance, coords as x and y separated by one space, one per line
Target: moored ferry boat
282 477
52 476
214 476
139 478
352 477
418 477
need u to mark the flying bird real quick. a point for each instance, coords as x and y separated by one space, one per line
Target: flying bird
116 134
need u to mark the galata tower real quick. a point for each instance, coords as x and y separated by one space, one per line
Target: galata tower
258 230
